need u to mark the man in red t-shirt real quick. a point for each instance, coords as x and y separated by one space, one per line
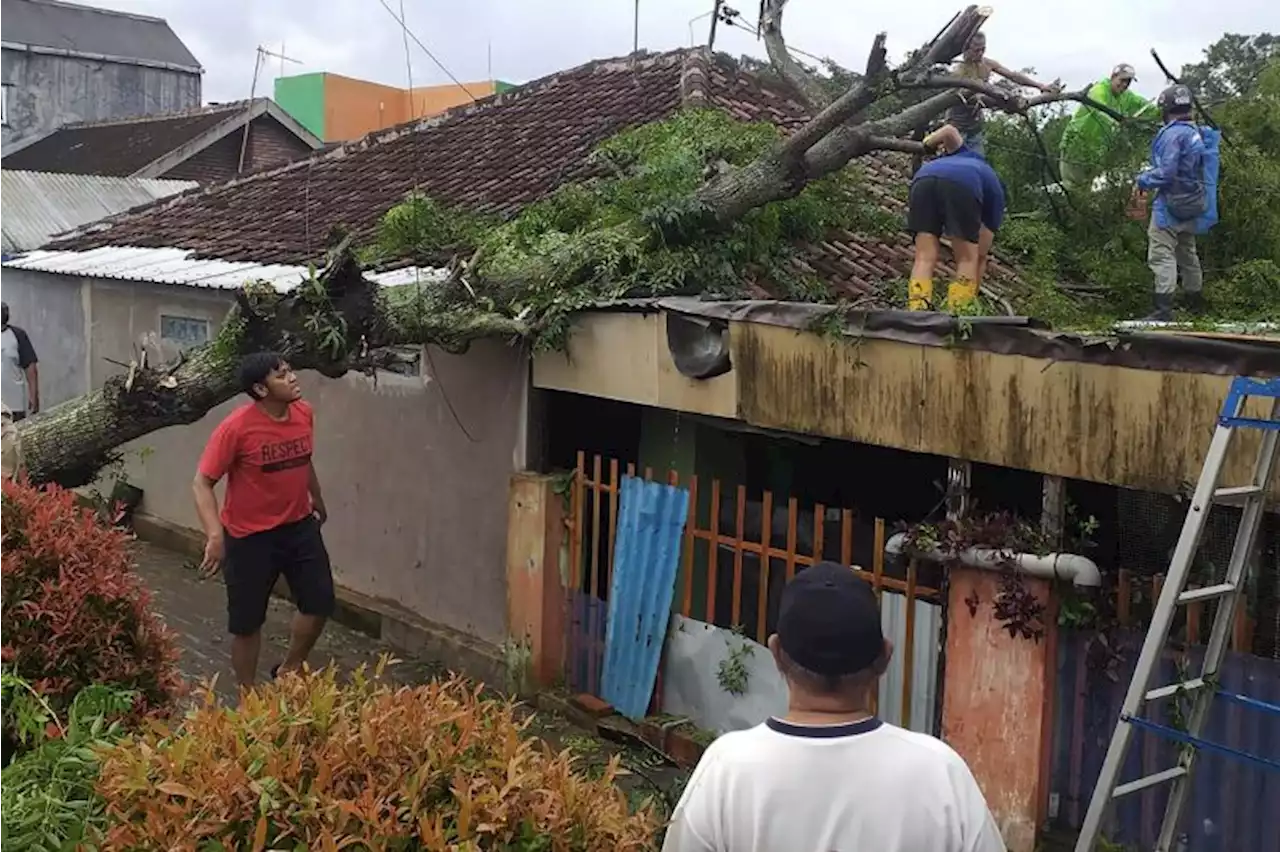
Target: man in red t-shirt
270 520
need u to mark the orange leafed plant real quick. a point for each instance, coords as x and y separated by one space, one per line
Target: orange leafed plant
309 763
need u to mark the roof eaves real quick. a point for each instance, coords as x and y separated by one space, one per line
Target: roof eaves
179 267
101 57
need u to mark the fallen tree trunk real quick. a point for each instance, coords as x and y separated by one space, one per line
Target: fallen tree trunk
336 322
340 321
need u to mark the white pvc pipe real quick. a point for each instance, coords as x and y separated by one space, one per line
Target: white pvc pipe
1067 566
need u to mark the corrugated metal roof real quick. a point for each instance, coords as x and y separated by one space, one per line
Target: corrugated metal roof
87 30
177 266
39 205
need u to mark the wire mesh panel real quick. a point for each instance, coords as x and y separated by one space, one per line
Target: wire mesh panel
1156 520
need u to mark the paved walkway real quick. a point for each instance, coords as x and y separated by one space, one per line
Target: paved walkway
195 609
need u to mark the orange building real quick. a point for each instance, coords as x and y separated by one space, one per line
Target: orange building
338 108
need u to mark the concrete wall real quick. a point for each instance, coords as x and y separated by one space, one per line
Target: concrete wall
302 96
47 91
52 309
339 109
418 510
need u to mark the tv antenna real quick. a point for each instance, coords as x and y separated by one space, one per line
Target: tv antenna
263 56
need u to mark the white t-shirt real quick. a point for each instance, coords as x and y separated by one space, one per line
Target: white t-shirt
859 787
15 355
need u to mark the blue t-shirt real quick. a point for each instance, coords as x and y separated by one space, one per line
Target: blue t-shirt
975 174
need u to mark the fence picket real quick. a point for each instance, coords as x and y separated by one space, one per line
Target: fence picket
601 481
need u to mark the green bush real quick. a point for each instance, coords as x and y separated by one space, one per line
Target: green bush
47 796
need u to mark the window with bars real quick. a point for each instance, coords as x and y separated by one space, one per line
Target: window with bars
187 332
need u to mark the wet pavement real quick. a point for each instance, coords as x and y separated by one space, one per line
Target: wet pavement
195 609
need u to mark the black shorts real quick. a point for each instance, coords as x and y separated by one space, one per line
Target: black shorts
942 207
255 562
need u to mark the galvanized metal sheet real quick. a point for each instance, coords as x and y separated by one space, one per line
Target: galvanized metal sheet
40 205
177 266
646 560
695 651
1233 804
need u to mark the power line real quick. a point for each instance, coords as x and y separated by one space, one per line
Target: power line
408 65
734 21
409 33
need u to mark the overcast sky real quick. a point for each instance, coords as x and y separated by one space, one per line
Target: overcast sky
530 38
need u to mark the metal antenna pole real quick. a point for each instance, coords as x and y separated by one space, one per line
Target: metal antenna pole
715 19
259 60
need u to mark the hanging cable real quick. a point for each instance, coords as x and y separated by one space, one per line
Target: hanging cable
408 32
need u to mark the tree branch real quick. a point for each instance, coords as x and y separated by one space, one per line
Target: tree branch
810 92
846 107
1006 100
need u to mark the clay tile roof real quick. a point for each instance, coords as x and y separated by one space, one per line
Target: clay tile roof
119 147
496 155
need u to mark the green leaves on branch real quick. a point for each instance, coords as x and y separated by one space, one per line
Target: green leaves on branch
628 230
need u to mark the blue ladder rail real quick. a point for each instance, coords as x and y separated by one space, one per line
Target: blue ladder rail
1206 745
1242 388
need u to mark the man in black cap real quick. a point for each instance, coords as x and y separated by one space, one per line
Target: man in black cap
830 776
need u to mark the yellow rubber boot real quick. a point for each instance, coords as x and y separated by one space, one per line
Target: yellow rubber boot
920 294
960 294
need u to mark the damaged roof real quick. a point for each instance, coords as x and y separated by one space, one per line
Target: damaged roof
146 145
496 156
105 34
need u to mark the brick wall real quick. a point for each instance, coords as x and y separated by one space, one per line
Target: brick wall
270 144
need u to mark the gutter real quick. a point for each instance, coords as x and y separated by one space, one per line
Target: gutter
1052 566
101 57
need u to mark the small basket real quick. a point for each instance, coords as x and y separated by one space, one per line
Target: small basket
1137 209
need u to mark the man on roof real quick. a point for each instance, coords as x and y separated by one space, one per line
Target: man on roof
974 65
1176 174
1090 132
957 195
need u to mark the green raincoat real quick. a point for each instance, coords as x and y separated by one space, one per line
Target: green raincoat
1085 140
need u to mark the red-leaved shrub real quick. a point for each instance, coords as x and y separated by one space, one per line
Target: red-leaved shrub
311 763
74 612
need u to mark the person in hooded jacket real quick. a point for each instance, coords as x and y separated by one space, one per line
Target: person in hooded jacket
1176 176
1091 131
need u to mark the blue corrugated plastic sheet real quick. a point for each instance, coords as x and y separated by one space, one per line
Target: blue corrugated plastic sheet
646 560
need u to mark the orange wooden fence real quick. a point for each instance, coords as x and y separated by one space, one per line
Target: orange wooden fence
595 490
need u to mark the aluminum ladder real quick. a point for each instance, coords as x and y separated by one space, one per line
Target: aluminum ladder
1252 498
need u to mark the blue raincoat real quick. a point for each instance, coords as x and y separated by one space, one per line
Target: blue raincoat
1183 156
